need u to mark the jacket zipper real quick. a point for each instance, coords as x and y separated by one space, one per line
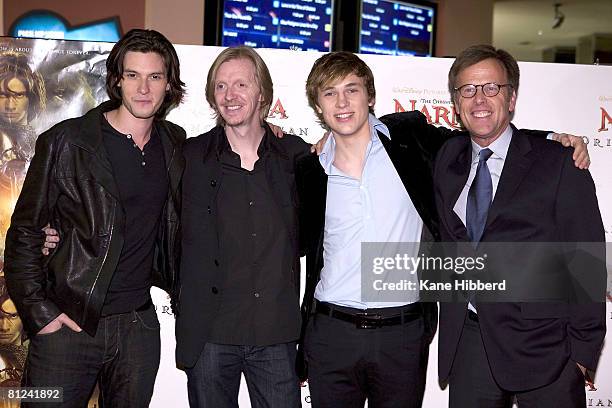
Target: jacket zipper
110 238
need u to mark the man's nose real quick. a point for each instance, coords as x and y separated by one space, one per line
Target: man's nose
143 86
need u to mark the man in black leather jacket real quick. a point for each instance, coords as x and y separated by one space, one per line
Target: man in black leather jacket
109 183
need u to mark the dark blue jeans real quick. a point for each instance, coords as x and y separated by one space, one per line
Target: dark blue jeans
124 356
269 372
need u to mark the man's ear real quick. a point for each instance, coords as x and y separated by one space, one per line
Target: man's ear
318 108
372 102
512 101
167 87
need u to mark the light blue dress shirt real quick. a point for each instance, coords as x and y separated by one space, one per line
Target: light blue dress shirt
376 208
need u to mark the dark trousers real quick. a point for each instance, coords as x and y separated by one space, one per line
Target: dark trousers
269 371
471 383
124 356
347 365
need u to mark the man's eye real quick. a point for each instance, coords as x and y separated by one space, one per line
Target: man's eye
220 86
329 93
130 75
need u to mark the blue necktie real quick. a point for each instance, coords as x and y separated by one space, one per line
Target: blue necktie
479 198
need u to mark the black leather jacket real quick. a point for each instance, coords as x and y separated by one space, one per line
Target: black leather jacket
70 184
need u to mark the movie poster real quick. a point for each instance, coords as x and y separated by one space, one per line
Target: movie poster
41 83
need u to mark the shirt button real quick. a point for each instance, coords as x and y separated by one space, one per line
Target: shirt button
143 163
209 210
214 290
142 153
213 183
129 137
253 235
216 262
250 203
256 294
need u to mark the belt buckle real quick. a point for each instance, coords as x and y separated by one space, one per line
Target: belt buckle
367 320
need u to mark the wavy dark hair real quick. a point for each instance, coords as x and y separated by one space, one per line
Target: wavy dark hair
139 40
15 65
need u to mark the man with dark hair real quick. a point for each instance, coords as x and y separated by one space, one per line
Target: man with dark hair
108 182
22 91
499 186
240 270
373 182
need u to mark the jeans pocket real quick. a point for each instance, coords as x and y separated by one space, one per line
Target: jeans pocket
148 318
52 334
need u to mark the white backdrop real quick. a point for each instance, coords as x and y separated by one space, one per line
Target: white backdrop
571 98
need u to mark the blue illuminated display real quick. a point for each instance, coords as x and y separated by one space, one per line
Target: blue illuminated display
396 28
46 24
297 24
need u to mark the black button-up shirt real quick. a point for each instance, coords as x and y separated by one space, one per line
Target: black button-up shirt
255 253
143 188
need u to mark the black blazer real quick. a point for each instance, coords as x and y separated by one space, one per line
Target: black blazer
201 274
412 149
541 197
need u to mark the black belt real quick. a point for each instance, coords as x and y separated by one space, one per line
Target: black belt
472 316
371 320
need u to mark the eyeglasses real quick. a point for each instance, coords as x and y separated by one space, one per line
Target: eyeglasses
490 89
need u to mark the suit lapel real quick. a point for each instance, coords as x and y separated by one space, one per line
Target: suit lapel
455 179
516 167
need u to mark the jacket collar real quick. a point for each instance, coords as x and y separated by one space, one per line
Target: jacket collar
90 138
90 133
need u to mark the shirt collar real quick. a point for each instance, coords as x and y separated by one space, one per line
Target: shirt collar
326 158
499 147
265 145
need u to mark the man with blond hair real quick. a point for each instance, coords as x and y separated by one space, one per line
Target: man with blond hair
239 309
